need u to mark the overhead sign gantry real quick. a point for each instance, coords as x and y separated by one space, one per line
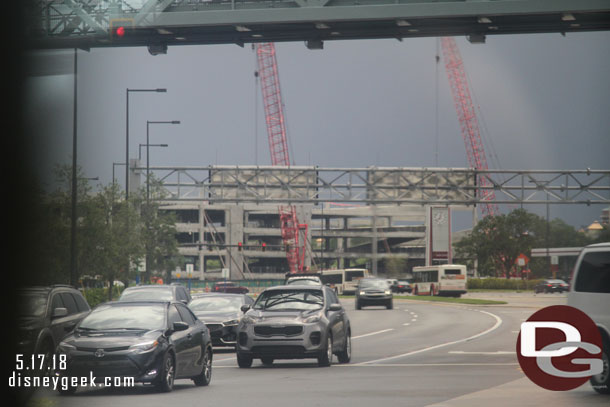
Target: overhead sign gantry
55 24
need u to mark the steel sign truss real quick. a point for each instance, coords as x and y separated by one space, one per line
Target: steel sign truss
382 185
87 23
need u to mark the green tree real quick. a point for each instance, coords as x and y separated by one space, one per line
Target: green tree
110 237
395 266
158 232
497 241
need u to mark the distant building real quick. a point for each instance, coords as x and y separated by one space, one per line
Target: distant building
594 229
605 216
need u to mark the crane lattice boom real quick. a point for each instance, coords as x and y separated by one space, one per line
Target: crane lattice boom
468 119
278 145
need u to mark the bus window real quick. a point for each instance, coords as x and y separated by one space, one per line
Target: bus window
331 278
353 274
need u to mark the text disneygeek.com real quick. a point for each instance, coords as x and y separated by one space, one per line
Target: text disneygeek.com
45 371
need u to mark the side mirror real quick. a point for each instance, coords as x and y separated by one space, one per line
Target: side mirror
245 308
59 312
180 326
335 307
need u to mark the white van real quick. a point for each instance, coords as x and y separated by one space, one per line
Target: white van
590 292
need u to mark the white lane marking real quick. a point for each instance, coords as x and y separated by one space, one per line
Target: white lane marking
423 364
498 352
496 325
372 333
407 324
406 365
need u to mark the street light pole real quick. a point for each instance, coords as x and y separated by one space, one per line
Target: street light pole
148 123
152 145
73 229
113 177
127 91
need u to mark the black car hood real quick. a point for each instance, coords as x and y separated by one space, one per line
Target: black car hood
217 316
110 339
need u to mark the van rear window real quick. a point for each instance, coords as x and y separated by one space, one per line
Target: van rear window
594 273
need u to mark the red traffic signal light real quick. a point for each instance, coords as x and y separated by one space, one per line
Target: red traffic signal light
239 246
264 246
119 27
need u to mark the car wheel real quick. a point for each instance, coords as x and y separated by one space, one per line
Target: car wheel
48 352
601 382
390 305
267 361
168 374
206 373
346 354
326 358
244 361
358 304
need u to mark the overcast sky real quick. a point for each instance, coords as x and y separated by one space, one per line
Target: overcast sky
544 104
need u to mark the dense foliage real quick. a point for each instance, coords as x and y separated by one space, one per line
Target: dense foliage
113 235
496 242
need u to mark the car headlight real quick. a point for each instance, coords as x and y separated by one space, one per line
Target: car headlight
312 319
232 322
388 292
362 293
144 347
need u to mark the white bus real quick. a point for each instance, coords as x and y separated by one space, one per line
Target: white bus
344 281
444 279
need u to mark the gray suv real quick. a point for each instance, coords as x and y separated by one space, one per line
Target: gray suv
374 291
294 322
590 292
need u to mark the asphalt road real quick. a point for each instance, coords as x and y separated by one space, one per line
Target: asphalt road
418 354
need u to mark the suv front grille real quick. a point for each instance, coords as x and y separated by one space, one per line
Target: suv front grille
269 330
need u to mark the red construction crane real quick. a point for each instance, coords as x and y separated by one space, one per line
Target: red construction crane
468 120
294 234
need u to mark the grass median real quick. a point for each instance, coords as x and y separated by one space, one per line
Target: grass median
472 301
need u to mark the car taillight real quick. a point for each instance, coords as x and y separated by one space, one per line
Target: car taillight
549 285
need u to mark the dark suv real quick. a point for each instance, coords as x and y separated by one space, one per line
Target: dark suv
373 291
47 315
174 292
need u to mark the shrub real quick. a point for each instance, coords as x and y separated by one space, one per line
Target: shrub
501 284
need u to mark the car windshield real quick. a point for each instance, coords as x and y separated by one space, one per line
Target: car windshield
373 284
207 304
303 281
144 317
146 294
290 300
33 304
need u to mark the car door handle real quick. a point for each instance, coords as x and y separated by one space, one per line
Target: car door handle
189 336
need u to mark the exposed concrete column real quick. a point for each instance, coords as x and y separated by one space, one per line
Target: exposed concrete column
304 214
374 240
202 241
234 217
